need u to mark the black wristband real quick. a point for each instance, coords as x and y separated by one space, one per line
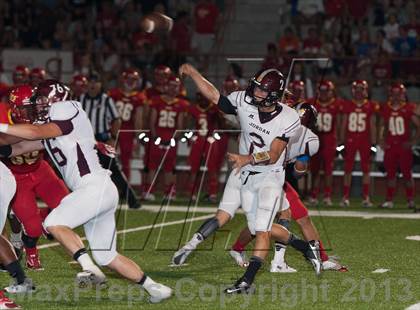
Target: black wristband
5 151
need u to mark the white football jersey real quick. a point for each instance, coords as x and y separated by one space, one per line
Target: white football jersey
74 153
7 191
259 130
305 142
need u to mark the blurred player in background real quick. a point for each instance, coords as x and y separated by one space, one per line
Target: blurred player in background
161 74
358 133
167 116
20 75
205 115
328 107
78 86
129 102
36 76
398 119
35 179
297 92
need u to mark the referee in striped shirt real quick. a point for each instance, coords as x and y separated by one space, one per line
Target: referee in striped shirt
105 120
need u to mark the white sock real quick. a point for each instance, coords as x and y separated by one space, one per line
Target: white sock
194 242
85 261
16 236
16 239
280 250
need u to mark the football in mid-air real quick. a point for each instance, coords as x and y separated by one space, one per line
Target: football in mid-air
156 22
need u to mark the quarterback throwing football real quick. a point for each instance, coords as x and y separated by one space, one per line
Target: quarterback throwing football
267 126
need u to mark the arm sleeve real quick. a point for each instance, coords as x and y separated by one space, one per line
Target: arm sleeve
312 147
226 106
62 115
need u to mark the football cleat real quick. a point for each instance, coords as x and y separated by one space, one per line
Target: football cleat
332 264
6 303
327 202
2 268
411 205
387 205
240 287
159 292
313 256
281 268
366 203
239 257
94 277
149 197
171 192
345 203
180 256
33 262
133 202
212 199
26 287
313 202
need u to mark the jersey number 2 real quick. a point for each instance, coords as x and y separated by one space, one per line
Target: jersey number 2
257 142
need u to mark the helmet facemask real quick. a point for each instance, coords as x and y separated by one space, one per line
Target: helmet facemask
271 99
26 114
42 109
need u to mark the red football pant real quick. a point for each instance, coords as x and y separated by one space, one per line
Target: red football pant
157 155
200 151
297 207
211 154
397 156
44 184
351 148
324 159
126 143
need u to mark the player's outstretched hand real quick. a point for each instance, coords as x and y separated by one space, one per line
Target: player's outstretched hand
239 161
186 69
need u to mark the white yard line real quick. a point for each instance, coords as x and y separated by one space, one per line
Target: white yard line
140 228
325 213
414 238
380 270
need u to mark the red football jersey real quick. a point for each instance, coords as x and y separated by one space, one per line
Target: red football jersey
5 114
205 118
168 114
397 122
358 118
327 115
152 92
25 163
127 105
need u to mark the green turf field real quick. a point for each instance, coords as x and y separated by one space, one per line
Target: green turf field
364 244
